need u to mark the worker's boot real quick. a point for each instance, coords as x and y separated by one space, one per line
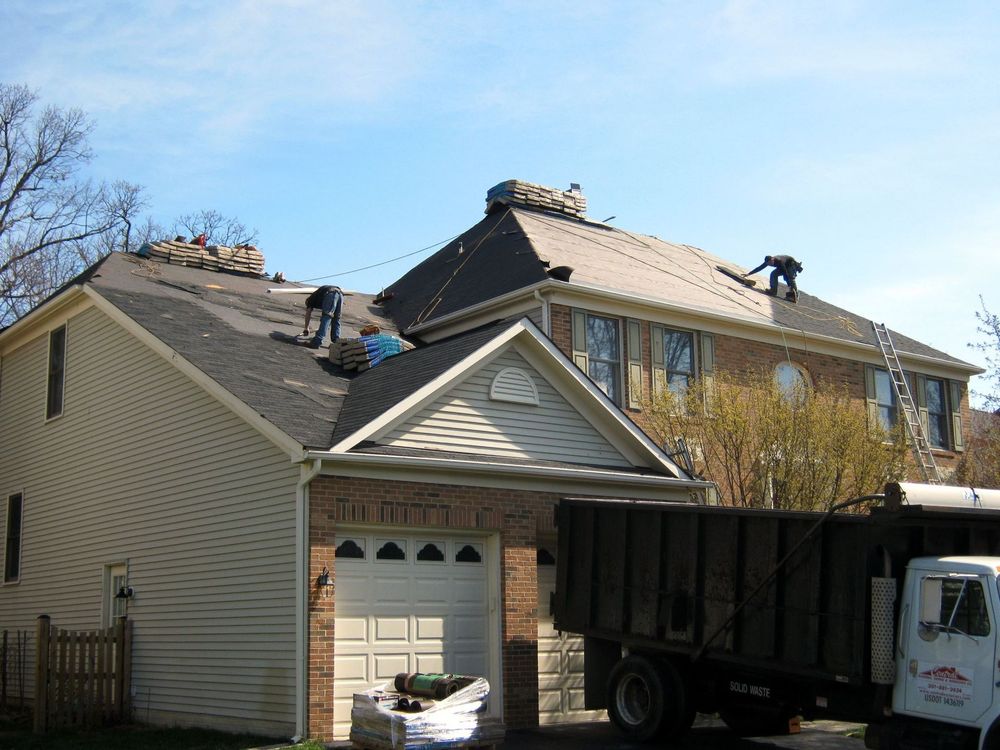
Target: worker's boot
792 296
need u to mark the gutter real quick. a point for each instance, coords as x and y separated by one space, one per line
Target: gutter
513 470
307 472
547 285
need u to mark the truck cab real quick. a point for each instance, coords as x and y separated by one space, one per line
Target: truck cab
946 657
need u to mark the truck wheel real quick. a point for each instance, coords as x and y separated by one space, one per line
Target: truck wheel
646 699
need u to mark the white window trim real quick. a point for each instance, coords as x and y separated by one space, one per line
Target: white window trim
110 571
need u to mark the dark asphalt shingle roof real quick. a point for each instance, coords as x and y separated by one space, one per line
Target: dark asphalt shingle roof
232 330
514 248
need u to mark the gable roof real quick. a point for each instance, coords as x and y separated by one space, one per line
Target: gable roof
231 330
516 248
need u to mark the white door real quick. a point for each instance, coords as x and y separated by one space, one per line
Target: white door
560 657
407 602
949 666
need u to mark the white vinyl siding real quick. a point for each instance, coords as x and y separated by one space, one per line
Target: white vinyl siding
148 469
465 420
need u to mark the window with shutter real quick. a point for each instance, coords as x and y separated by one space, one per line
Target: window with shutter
597 351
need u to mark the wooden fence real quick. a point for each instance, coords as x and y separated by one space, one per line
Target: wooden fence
13 664
82 678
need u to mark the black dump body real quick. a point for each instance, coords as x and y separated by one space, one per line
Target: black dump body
665 577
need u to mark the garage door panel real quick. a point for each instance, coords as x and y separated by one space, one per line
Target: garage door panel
430 663
468 628
352 629
352 588
387 666
467 590
549 700
549 663
388 591
389 629
352 667
430 629
465 663
430 592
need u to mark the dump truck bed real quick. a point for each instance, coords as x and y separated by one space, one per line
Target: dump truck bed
668 577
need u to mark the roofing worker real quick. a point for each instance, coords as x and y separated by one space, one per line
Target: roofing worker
785 266
328 299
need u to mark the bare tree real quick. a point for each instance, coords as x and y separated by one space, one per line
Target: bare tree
218 229
50 221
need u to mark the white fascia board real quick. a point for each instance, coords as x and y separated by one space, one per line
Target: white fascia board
428 391
576 294
281 439
599 407
496 473
43 319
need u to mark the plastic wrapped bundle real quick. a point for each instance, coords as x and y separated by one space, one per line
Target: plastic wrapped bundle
459 720
365 352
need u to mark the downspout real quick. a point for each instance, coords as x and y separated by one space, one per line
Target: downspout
307 472
545 313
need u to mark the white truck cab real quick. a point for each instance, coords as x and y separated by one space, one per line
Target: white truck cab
947 665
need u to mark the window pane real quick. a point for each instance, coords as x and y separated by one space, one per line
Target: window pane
678 351
937 419
678 384
602 338
935 396
12 559
963 606
605 376
57 362
886 398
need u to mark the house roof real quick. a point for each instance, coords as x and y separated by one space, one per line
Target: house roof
230 328
516 247
241 336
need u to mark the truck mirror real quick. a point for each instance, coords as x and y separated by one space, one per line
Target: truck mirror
930 600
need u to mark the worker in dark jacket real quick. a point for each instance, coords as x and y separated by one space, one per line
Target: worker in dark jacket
328 299
785 266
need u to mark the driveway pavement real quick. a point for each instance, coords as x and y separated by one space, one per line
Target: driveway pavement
707 734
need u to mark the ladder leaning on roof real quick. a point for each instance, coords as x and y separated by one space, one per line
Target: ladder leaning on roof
918 440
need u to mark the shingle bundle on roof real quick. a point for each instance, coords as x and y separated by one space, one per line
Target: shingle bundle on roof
519 193
365 352
244 259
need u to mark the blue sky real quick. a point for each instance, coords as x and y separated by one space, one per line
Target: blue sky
861 137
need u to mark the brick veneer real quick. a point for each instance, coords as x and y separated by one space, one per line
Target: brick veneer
517 515
739 354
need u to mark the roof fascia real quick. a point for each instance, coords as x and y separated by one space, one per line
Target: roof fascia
520 300
52 314
498 474
570 293
280 438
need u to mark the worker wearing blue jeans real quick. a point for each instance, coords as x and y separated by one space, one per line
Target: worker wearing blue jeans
328 300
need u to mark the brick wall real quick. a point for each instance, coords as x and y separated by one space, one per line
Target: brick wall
517 515
736 354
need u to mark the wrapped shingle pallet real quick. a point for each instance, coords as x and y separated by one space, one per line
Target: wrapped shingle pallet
365 352
458 721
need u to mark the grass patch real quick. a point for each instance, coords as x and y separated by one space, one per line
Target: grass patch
17 734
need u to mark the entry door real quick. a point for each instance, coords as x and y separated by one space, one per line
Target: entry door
407 602
950 658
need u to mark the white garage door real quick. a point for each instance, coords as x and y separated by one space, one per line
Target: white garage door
560 657
414 602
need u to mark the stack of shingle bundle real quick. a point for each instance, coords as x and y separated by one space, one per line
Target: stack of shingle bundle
365 352
518 192
244 259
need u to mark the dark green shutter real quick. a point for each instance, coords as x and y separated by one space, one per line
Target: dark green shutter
955 404
634 343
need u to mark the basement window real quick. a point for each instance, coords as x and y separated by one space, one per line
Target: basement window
56 373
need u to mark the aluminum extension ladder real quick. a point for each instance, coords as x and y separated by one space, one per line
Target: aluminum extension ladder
918 440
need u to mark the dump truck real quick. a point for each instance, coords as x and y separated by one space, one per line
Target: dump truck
887 617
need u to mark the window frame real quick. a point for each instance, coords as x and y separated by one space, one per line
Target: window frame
943 417
583 359
691 374
7 579
50 371
109 612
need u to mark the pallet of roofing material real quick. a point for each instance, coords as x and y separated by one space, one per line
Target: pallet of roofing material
365 352
458 721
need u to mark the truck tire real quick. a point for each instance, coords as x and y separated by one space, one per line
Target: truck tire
647 699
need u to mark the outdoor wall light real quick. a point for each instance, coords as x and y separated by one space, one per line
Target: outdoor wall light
324 578
125 592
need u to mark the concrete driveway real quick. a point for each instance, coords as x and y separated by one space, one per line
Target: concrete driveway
707 734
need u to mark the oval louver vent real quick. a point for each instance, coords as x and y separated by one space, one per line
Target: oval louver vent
515 385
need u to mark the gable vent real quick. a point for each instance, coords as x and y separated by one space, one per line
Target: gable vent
514 385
